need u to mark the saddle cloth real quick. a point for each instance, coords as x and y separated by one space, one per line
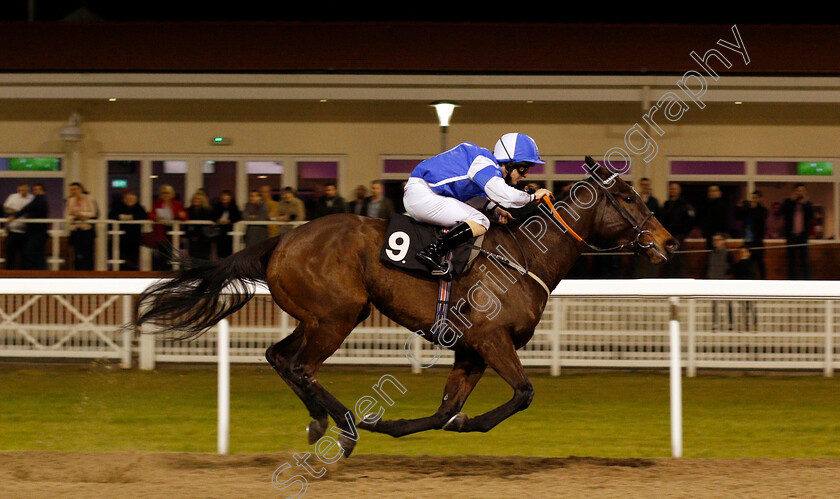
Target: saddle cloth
406 236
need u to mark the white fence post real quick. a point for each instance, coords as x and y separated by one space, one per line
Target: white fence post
146 358
676 380
127 334
558 318
223 350
691 360
828 370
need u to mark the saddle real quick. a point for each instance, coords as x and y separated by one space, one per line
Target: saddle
406 236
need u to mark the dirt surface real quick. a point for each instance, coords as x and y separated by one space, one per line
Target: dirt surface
146 475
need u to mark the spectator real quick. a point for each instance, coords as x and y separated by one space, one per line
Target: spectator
678 219
225 214
16 229
313 204
745 268
719 266
255 211
132 234
646 194
165 210
378 206
331 202
642 266
200 236
80 209
272 206
34 251
714 215
359 205
290 208
753 214
798 213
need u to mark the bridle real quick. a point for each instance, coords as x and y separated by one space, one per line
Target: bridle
637 243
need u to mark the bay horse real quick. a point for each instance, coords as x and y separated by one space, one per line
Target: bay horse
327 274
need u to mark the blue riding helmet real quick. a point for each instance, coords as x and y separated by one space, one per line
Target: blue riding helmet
517 147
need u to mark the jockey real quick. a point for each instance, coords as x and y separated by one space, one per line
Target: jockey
451 188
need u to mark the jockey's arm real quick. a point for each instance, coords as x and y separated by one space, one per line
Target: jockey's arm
502 194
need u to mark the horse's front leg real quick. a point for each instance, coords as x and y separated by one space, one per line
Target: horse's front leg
466 372
502 357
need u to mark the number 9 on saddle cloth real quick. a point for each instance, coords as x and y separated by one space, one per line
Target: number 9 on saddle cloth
406 236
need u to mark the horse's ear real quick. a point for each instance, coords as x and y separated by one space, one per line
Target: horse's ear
593 167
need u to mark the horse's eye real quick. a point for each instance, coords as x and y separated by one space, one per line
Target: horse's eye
629 199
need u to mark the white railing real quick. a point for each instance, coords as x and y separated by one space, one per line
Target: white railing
107 254
597 323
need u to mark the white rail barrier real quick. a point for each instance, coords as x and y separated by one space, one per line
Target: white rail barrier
604 290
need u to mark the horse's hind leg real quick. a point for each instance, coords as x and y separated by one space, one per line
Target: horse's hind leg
281 356
466 372
314 345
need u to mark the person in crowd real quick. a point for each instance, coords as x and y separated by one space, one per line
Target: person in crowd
798 212
255 211
646 193
200 236
272 206
35 241
81 208
290 208
128 208
641 264
745 268
165 210
719 266
16 229
677 217
753 215
331 202
313 203
359 205
225 214
378 206
719 263
714 215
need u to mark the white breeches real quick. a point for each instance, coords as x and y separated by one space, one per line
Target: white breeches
425 206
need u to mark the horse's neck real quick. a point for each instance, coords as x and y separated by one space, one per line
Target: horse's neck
557 250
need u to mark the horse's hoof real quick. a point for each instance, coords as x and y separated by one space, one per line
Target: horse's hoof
347 445
315 430
369 422
456 422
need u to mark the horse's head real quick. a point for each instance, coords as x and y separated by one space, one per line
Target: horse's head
621 216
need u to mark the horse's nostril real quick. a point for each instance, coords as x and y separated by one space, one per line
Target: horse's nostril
671 245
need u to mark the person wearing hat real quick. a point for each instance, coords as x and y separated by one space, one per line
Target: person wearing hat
452 188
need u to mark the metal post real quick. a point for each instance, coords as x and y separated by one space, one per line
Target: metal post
675 378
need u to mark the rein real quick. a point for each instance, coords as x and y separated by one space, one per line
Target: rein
636 242
637 227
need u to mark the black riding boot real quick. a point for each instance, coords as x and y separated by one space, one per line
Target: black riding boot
433 254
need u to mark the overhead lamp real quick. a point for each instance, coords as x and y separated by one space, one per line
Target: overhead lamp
444 110
72 131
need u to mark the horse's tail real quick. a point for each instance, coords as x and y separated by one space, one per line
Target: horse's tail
192 300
